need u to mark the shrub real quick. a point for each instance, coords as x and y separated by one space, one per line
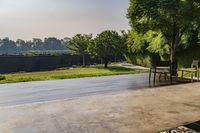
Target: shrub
139 59
55 54
29 54
187 55
2 77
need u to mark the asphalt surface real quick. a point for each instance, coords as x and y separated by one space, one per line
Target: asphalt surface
41 91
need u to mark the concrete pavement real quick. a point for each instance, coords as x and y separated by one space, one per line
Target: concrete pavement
40 91
132 111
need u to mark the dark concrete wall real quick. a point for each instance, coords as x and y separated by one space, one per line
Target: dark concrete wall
36 63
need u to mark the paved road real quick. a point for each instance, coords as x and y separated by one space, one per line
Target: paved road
40 91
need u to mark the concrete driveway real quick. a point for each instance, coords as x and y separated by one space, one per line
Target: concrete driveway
131 111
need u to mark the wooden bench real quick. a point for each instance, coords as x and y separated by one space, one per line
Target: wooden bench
161 68
193 70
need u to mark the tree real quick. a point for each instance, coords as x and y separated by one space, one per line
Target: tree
20 45
122 47
8 46
107 44
38 44
172 18
53 43
79 45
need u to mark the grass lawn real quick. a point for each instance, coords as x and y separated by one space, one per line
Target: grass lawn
67 73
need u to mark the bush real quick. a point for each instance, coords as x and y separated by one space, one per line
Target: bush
186 56
55 54
139 59
2 77
29 54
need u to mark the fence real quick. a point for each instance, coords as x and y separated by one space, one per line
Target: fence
18 63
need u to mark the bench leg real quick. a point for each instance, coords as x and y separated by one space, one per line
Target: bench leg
177 77
165 76
171 79
149 77
192 76
160 75
182 74
154 80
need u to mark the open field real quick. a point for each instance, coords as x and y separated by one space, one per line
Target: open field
67 73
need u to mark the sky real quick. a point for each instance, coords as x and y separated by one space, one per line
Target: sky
27 19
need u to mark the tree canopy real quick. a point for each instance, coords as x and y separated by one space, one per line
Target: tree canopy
174 19
107 44
79 45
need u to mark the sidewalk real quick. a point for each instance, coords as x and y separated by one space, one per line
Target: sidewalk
133 111
131 66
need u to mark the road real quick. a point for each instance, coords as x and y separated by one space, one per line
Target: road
41 91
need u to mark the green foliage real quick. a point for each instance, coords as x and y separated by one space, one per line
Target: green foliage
79 44
55 53
142 47
107 44
173 20
151 41
187 55
163 15
124 44
92 49
136 42
2 77
157 44
141 54
30 54
139 59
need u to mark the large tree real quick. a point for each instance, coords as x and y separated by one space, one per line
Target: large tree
108 44
173 18
79 45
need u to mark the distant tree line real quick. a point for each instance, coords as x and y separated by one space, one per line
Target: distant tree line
10 47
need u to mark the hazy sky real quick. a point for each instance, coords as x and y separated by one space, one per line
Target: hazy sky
27 19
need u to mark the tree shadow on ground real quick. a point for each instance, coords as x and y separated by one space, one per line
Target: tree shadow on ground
117 68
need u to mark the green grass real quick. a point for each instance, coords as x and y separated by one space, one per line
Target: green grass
66 74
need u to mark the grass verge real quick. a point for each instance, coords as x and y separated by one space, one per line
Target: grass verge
67 74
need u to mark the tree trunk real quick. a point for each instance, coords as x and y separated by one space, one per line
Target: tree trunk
174 61
105 62
83 59
115 59
175 42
